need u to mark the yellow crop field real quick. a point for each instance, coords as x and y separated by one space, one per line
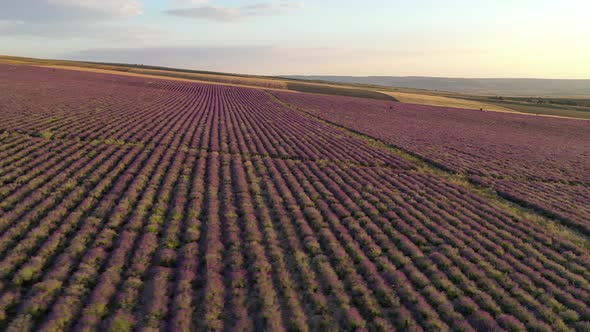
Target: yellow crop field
423 99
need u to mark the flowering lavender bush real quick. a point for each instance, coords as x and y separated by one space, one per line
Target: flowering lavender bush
540 162
175 206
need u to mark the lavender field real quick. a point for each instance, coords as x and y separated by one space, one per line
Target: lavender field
129 203
541 162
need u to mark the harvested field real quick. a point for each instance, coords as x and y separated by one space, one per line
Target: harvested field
424 99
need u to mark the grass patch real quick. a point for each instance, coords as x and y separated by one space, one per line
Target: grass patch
45 134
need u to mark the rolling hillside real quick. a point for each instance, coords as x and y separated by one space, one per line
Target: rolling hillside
478 86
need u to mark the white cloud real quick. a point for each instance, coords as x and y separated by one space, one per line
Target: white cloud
60 10
210 57
66 19
187 2
103 32
117 8
232 14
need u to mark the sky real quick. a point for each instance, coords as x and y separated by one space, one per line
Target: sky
451 38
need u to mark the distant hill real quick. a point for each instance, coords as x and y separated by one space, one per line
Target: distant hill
255 81
479 86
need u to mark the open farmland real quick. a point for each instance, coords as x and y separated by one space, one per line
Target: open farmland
539 161
433 100
129 203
